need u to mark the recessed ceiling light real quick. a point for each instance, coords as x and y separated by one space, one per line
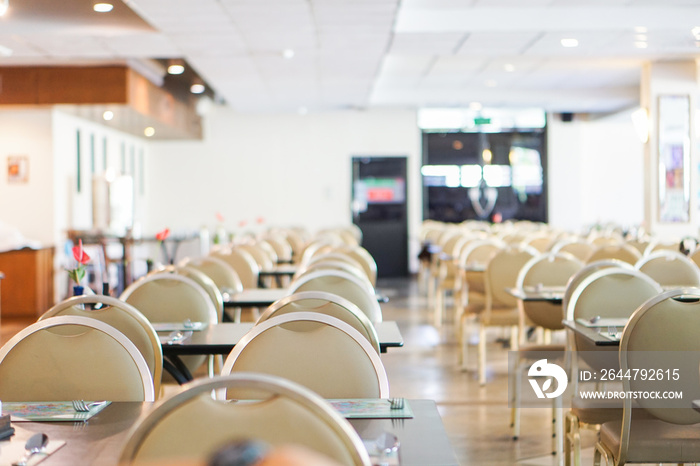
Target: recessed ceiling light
197 88
4 5
149 131
509 67
641 45
176 68
108 115
569 42
476 106
640 37
102 7
491 83
288 54
695 31
5 51
640 29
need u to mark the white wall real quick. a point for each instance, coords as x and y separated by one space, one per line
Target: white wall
28 206
596 172
288 169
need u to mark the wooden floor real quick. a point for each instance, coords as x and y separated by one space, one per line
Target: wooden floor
476 418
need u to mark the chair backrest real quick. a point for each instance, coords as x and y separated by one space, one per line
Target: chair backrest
619 251
261 254
191 425
610 292
343 284
662 334
670 268
281 245
218 270
333 265
364 258
203 281
318 351
553 269
72 357
335 257
328 304
243 263
587 270
123 317
478 252
502 272
579 248
167 297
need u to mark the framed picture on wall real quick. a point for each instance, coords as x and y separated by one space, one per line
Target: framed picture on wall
674 158
17 169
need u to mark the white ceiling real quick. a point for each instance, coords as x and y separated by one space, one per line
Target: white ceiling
378 53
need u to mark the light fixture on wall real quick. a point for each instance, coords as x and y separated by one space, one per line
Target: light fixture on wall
4 5
640 120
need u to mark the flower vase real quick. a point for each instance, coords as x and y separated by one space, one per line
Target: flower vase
78 290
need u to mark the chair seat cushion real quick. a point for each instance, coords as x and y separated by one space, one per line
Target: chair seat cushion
654 441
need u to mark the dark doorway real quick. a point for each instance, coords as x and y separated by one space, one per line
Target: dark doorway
379 199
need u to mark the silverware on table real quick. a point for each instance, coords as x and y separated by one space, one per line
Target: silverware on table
36 444
82 407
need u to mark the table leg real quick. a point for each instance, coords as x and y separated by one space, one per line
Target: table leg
177 369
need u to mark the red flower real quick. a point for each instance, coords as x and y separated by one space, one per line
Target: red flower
220 217
242 223
79 253
161 235
260 220
77 274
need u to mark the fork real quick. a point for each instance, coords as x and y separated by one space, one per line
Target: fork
82 407
396 403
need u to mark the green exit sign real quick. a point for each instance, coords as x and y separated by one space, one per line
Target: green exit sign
482 121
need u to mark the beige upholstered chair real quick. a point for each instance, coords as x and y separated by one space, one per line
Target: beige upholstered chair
243 264
281 245
661 334
546 270
318 351
191 425
587 270
203 280
332 265
579 248
169 297
123 317
362 257
619 251
470 282
328 304
670 268
608 292
218 270
348 286
501 309
73 357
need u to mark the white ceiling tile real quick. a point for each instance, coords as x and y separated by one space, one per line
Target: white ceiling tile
440 43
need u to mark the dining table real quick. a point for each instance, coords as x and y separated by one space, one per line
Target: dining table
220 339
550 294
603 332
264 297
99 441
